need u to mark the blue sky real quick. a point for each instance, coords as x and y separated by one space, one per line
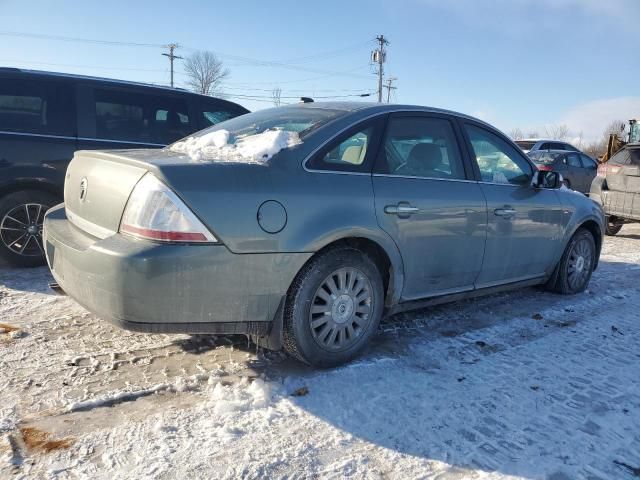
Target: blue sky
514 63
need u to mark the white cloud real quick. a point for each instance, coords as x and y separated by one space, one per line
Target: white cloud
593 117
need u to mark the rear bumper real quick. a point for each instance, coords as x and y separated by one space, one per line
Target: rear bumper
169 288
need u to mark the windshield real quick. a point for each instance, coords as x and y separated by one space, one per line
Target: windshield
255 137
524 145
544 158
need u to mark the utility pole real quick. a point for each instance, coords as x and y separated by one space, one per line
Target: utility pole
388 86
172 57
379 56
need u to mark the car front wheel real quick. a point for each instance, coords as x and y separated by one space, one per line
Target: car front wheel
21 218
333 307
577 263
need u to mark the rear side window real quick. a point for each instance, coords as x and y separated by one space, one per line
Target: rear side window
621 158
212 112
41 107
573 160
140 118
588 162
350 152
421 147
497 160
525 145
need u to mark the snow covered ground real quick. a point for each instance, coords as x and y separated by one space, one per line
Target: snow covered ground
518 385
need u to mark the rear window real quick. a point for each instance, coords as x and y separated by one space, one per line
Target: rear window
544 158
524 145
300 120
42 107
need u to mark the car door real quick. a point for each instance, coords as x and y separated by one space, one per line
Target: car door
589 171
425 200
575 174
525 224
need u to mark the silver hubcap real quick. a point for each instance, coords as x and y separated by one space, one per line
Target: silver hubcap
580 262
341 309
21 229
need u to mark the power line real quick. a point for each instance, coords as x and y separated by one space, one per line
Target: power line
98 67
78 39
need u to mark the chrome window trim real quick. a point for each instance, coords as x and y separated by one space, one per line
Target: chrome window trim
45 135
90 139
440 179
109 140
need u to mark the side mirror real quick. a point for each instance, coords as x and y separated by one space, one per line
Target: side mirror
546 179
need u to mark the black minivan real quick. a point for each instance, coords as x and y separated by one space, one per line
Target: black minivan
45 117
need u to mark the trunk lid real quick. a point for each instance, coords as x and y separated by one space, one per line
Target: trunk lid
96 189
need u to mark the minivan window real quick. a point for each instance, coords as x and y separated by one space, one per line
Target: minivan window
37 107
421 147
140 118
498 161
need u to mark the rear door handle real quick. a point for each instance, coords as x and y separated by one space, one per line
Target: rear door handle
506 212
402 209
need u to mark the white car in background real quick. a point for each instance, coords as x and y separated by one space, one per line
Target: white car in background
532 144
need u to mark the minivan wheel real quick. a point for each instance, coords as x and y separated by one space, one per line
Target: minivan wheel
21 219
333 307
576 266
613 226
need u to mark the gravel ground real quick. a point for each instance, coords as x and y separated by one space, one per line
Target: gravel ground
524 384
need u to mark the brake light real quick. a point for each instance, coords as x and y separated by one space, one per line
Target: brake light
545 168
605 168
155 212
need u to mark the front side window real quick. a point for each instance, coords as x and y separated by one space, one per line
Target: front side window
36 107
421 147
497 160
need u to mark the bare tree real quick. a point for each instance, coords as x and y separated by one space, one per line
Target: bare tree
533 134
556 132
205 72
616 127
516 134
276 96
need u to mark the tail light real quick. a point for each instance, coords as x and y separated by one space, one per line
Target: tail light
545 168
605 168
155 212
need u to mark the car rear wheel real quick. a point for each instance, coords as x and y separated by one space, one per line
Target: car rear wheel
613 226
333 307
21 219
576 265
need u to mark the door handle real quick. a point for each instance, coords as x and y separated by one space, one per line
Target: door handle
402 209
506 212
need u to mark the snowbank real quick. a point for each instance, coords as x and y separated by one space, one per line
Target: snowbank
258 148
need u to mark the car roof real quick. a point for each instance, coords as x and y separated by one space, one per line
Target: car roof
374 108
115 81
541 140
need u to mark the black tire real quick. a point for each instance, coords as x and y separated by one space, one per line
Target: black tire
21 216
613 226
344 266
573 274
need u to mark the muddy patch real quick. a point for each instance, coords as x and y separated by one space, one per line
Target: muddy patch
36 440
